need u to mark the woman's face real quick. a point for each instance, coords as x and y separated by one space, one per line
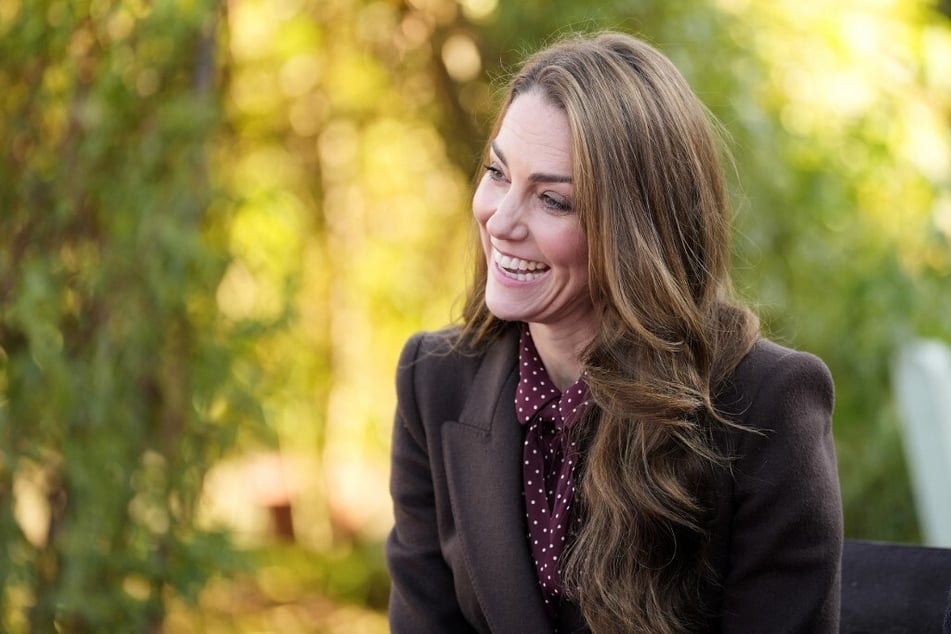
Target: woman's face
534 245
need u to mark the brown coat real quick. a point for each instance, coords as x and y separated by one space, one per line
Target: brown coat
458 554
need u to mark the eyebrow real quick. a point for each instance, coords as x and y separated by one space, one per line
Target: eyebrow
536 177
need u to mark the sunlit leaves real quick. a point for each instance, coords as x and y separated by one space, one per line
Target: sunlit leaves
333 106
109 335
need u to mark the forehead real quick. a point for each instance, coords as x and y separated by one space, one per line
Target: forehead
536 133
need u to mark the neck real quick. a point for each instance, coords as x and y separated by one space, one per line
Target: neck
560 351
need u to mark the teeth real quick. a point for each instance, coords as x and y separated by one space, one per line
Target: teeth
517 268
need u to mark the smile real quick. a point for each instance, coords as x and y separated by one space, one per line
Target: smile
518 269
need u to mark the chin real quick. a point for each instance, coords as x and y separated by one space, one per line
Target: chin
503 311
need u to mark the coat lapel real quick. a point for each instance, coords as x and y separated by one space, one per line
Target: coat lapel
483 454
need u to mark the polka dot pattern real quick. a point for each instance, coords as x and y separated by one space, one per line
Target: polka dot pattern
549 460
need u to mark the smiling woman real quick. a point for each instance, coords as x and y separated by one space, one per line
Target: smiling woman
607 443
533 240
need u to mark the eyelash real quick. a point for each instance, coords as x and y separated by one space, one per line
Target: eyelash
556 204
549 201
494 172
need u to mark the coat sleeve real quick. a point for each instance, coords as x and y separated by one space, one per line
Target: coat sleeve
422 596
786 536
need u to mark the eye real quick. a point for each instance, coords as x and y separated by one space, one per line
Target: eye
556 202
494 172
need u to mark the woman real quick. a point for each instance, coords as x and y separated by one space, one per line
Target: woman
606 443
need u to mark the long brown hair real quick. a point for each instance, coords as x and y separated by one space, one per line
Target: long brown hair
650 196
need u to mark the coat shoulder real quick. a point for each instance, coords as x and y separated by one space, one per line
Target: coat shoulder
442 355
766 356
440 372
771 375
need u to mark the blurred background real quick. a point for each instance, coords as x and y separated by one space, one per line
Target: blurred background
219 221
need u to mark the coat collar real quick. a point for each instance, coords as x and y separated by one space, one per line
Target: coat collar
483 454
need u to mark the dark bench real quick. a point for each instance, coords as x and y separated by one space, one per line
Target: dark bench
892 588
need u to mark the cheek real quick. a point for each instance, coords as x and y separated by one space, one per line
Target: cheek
578 259
569 249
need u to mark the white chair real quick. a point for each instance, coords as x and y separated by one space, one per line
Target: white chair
921 375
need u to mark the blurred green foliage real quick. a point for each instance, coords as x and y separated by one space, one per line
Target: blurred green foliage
219 221
118 378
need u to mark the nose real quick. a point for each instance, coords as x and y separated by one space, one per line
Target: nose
507 221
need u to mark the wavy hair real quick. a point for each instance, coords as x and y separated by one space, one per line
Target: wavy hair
651 199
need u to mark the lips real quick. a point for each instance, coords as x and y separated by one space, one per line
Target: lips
517 268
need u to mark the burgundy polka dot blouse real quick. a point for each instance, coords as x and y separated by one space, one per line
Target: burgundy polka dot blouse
549 460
